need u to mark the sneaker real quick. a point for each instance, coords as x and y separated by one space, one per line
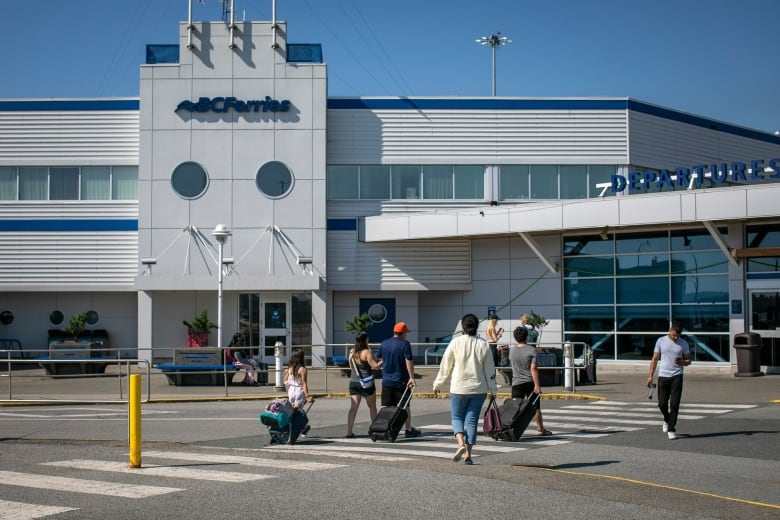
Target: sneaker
672 435
412 432
305 430
665 427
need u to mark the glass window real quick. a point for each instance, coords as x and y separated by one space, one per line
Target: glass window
33 183
587 291
574 182
700 289
343 182
56 318
514 182
636 346
437 182
708 347
274 179
589 266
7 183
586 318
375 182
7 317
699 262
642 243
587 245
301 319
469 182
691 240
645 289
64 184
124 183
643 318
544 182
643 265
249 318
765 235
600 175
95 183
189 180
406 182
93 318
701 318
603 345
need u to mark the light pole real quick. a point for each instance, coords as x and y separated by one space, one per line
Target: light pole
221 233
494 41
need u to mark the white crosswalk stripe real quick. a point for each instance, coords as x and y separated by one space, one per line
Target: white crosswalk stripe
23 511
77 485
159 471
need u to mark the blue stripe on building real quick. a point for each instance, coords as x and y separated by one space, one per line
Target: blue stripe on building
68 225
342 224
68 104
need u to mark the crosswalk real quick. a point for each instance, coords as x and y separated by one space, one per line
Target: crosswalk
570 423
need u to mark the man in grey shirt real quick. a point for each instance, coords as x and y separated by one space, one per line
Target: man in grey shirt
673 353
525 374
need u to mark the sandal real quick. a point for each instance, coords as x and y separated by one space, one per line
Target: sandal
544 432
350 436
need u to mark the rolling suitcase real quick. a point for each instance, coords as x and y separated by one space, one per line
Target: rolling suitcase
547 377
516 415
289 433
390 419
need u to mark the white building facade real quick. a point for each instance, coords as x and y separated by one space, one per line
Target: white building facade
610 217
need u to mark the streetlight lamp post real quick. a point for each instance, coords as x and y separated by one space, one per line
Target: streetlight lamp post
221 233
494 41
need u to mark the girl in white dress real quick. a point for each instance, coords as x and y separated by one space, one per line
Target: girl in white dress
295 380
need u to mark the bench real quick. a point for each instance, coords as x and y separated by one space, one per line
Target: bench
72 358
436 352
197 366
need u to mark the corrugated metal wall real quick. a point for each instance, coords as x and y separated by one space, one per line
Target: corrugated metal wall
68 260
69 138
476 136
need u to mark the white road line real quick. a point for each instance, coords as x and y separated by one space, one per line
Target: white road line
77 485
590 427
21 511
376 448
423 444
610 411
348 455
621 414
653 403
240 459
687 409
159 471
559 416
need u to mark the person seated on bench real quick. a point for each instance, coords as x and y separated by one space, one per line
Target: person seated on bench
242 362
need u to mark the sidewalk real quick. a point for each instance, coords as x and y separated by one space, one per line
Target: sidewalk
614 383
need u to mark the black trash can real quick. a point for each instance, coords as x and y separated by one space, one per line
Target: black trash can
748 347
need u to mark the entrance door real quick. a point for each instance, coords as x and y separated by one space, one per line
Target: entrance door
275 327
765 320
381 311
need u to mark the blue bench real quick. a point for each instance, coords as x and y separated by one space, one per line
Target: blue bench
197 366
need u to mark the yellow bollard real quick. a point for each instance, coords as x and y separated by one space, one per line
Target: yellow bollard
134 417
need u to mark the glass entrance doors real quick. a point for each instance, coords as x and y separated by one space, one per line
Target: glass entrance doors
765 320
275 328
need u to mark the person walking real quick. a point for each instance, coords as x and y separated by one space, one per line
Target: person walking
469 363
296 380
525 374
398 371
493 335
673 354
362 365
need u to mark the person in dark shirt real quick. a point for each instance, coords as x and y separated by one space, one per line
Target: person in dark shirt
397 371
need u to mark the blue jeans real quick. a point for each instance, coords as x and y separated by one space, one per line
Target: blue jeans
465 410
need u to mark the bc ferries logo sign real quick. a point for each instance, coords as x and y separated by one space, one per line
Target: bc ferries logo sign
226 104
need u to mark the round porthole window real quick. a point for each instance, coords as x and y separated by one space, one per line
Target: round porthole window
56 318
189 180
377 313
92 318
6 317
274 179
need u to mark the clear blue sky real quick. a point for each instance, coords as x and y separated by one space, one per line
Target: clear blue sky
716 58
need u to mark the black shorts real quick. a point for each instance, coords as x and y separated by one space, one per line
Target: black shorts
391 395
523 390
357 389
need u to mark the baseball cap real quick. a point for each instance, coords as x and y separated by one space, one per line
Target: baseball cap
400 328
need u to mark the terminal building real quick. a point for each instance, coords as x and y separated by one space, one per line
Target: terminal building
609 217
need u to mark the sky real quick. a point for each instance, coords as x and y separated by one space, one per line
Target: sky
714 58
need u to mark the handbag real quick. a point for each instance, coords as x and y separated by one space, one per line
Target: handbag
365 382
491 422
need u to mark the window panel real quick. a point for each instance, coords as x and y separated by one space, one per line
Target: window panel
469 182
599 175
642 243
700 289
589 266
375 182
544 182
124 183
33 183
646 289
63 184
343 182
589 291
587 245
574 181
437 182
642 265
589 318
514 182
701 318
406 182
603 345
699 262
7 182
694 239
643 318
95 183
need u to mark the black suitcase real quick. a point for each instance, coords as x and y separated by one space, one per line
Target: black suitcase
516 415
547 377
390 419
292 430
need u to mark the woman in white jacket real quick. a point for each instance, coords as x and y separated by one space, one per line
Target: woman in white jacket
469 362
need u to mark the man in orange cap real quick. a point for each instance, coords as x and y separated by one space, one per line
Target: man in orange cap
397 371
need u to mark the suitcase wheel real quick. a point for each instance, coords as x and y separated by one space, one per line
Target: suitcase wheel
373 438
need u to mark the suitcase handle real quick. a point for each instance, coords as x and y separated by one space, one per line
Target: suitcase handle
408 391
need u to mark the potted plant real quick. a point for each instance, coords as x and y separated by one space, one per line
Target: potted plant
198 329
539 323
76 326
359 324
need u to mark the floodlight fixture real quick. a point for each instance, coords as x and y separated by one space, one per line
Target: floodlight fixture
494 40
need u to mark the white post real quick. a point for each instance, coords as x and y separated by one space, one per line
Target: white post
278 361
568 367
221 233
